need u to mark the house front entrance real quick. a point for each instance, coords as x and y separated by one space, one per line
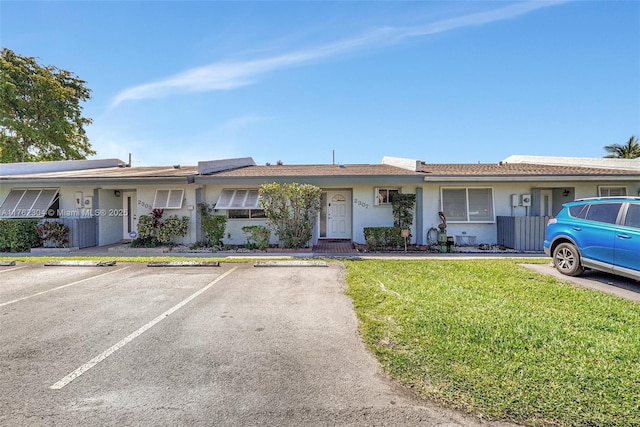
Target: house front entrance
335 215
129 217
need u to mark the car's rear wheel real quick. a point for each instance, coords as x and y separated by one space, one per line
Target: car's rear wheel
566 259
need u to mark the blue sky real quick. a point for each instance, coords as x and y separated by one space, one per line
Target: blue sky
297 81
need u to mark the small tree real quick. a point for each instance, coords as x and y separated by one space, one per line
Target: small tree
402 206
291 211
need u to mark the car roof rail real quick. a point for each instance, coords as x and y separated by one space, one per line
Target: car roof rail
608 198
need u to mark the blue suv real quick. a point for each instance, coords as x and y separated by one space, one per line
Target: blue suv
600 233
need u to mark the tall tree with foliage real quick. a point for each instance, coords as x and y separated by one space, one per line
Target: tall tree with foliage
291 211
630 150
40 112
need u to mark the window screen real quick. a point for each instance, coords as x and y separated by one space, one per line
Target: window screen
238 199
480 204
28 202
168 199
384 196
454 204
468 204
612 191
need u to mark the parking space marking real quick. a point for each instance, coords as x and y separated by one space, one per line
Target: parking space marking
102 356
60 287
14 268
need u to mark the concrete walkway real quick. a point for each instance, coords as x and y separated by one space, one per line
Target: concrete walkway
123 250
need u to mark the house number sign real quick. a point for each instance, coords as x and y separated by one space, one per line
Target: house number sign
360 203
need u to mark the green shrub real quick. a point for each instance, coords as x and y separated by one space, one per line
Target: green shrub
213 226
153 231
383 237
53 234
171 228
258 236
18 235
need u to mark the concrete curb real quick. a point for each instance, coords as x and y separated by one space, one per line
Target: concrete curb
291 264
184 264
80 263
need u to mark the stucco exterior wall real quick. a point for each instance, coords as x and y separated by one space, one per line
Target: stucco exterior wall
233 231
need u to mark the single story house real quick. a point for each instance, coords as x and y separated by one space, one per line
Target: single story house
504 203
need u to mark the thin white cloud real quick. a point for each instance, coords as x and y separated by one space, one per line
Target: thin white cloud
234 74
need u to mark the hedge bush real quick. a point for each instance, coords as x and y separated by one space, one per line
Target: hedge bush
258 236
18 235
383 237
53 234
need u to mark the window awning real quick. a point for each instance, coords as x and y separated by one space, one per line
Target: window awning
238 199
168 199
28 202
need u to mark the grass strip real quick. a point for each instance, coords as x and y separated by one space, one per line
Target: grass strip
493 338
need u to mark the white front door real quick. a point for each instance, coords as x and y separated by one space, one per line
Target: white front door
338 215
129 217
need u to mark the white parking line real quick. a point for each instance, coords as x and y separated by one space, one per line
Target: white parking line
11 269
102 356
60 287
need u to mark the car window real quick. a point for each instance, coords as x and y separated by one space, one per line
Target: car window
633 216
604 212
579 211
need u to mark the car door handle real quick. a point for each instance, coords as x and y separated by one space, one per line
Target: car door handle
624 236
577 228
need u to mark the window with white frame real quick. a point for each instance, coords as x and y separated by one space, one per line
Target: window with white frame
240 204
30 203
246 214
467 204
383 196
168 199
612 191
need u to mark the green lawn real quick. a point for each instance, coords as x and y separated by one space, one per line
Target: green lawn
493 338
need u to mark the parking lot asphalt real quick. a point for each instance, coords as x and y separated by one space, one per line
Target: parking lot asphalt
130 345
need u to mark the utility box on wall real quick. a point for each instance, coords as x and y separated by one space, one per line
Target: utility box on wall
526 200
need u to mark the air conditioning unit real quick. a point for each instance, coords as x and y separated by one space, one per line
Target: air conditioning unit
526 200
